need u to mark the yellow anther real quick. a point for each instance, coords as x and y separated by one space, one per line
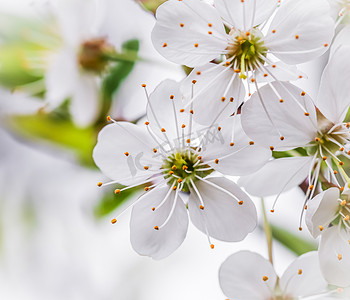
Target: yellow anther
232 144
199 73
272 148
282 138
164 45
171 172
321 227
173 167
184 168
156 227
281 100
146 123
346 218
182 110
223 99
163 130
117 191
182 24
126 153
341 163
146 167
265 278
311 187
219 128
179 180
307 114
155 150
300 271
300 228
194 81
212 246
340 257
109 118
191 111
113 221
272 210
216 161
297 36
99 184
343 203
324 157
175 187
171 97
303 93
183 126
251 143
143 85
240 202
188 141
196 45
153 208
201 207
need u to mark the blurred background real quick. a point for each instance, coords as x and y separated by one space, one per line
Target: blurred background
65 66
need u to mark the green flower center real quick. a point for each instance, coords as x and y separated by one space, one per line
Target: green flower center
92 55
183 167
246 51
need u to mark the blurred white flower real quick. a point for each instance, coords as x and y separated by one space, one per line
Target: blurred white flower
193 33
179 156
328 216
293 121
340 10
247 275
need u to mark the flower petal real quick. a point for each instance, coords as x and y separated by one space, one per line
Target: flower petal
276 176
334 95
122 152
247 14
61 76
189 32
163 111
279 71
230 151
158 244
334 254
300 31
322 210
84 106
242 275
303 277
223 218
217 93
341 39
264 117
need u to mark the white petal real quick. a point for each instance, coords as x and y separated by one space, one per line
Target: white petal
213 82
322 210
276 176
303 277
341 39
164 112
245 15
177 43
61 76
85 97
222 216
243 158
279 71
109 154
334 95
334 254
266 123
302 29
160 243
241 277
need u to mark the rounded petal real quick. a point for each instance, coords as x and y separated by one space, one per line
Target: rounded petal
303 277
277 176
84 106
158 244
163 111
334 255
322 210
230 151
222 217
189 32
247 14
122 152
264 117
300 31
242 275
217 93
334 94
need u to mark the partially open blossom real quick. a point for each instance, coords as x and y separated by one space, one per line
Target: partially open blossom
234 34
247 275
293 121
328 216
173 156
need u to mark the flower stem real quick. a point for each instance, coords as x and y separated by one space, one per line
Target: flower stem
268 232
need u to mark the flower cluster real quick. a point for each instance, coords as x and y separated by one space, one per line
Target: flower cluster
241 113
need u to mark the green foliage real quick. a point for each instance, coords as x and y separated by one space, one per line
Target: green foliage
110 202
293 242
59 131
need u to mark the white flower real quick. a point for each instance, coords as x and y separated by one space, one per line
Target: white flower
247 275
328 216
177 156
291 121
340 10
193 33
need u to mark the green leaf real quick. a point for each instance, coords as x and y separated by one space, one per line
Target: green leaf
60 131
118 73
110 202
293 242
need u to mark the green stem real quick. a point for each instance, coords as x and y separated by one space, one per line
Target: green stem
243 76
343 172
268 231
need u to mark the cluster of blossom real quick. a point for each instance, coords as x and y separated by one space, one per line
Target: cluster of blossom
230 116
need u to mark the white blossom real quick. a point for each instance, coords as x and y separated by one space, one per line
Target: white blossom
174 156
